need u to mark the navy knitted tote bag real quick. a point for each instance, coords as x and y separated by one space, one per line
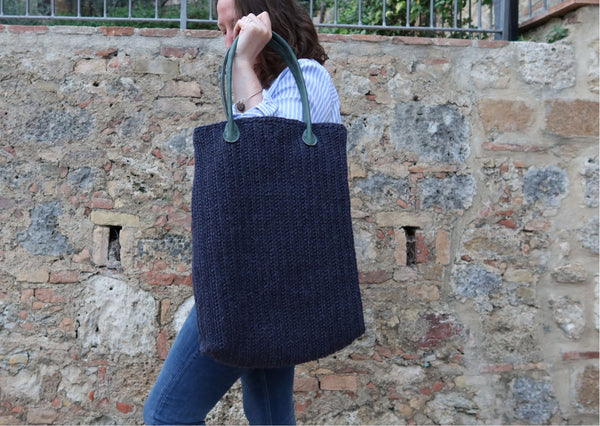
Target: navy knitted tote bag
274 267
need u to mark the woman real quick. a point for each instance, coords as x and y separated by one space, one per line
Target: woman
190 382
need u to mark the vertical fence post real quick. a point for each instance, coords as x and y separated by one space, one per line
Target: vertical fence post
510 30
183 15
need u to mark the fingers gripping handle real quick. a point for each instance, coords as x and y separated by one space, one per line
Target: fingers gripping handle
232 133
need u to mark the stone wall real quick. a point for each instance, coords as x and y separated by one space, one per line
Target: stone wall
474 184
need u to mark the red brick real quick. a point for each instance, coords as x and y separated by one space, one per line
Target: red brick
509 223
442 247
425 391
183 280
177 52
158 32
2 28
62 277
125 408
162 343
572 118
422 252
360 357
334 38
117 31
301 407
573 356
441 328
44 294
437 386
106 53
336 382
102 203
436 61
377 357
306 384
374 277
20 29
156 152
91 395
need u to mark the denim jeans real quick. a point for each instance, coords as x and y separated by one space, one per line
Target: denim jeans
191 383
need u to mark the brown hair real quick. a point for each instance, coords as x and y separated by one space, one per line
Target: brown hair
293 23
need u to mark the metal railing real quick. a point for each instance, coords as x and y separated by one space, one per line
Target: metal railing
450 18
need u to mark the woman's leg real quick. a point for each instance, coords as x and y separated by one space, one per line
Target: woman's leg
269 396
190 383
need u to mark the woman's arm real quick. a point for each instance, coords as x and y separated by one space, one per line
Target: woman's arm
283 98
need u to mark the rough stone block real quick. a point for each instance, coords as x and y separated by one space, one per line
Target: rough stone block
158 32
453 192
571 273
475 280
591 182
27 29
586 389
400 253
117 31
505 115
571 118
569 316
100 240
433 132
41 416
533 400
181 88
548 184
42 237
551 65
518 275
178 52
107 302
33 276
158 66
306 384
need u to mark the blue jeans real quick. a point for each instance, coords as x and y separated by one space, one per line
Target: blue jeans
191 383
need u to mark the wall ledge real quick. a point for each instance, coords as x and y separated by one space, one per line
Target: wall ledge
175 32
554 12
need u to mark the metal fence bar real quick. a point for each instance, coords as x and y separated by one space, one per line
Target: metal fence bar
421 24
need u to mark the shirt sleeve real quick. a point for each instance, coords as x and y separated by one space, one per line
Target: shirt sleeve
282 99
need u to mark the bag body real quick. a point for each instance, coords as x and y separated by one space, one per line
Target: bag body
274 267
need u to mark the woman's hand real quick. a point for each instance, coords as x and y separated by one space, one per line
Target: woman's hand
254 34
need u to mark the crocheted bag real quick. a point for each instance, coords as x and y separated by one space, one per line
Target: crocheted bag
274 267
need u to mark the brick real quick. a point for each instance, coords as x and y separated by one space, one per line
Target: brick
90 66
422 251
125 408
369 38
183 280
82 256
67 325
509 223
27 29
41 416
44 294
572 117
162 344
587 389
333 38
178 52
181 88
505 115
412 40
158 278
202 33
107 53
574 356
64 277
441 327
306 384
492 146
490 44
400 252
302 407
73 30
341 383
114 219
117 31
425 293
496 368
100 240
158 32
374 277
35 276
452 42
400 219
102 203
442 248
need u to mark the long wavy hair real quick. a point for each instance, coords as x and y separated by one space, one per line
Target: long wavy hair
293 23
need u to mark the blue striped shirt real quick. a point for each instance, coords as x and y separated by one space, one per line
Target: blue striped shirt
282 99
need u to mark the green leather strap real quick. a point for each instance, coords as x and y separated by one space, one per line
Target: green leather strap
232 133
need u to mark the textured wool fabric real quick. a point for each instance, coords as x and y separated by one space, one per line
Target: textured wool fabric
274 267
